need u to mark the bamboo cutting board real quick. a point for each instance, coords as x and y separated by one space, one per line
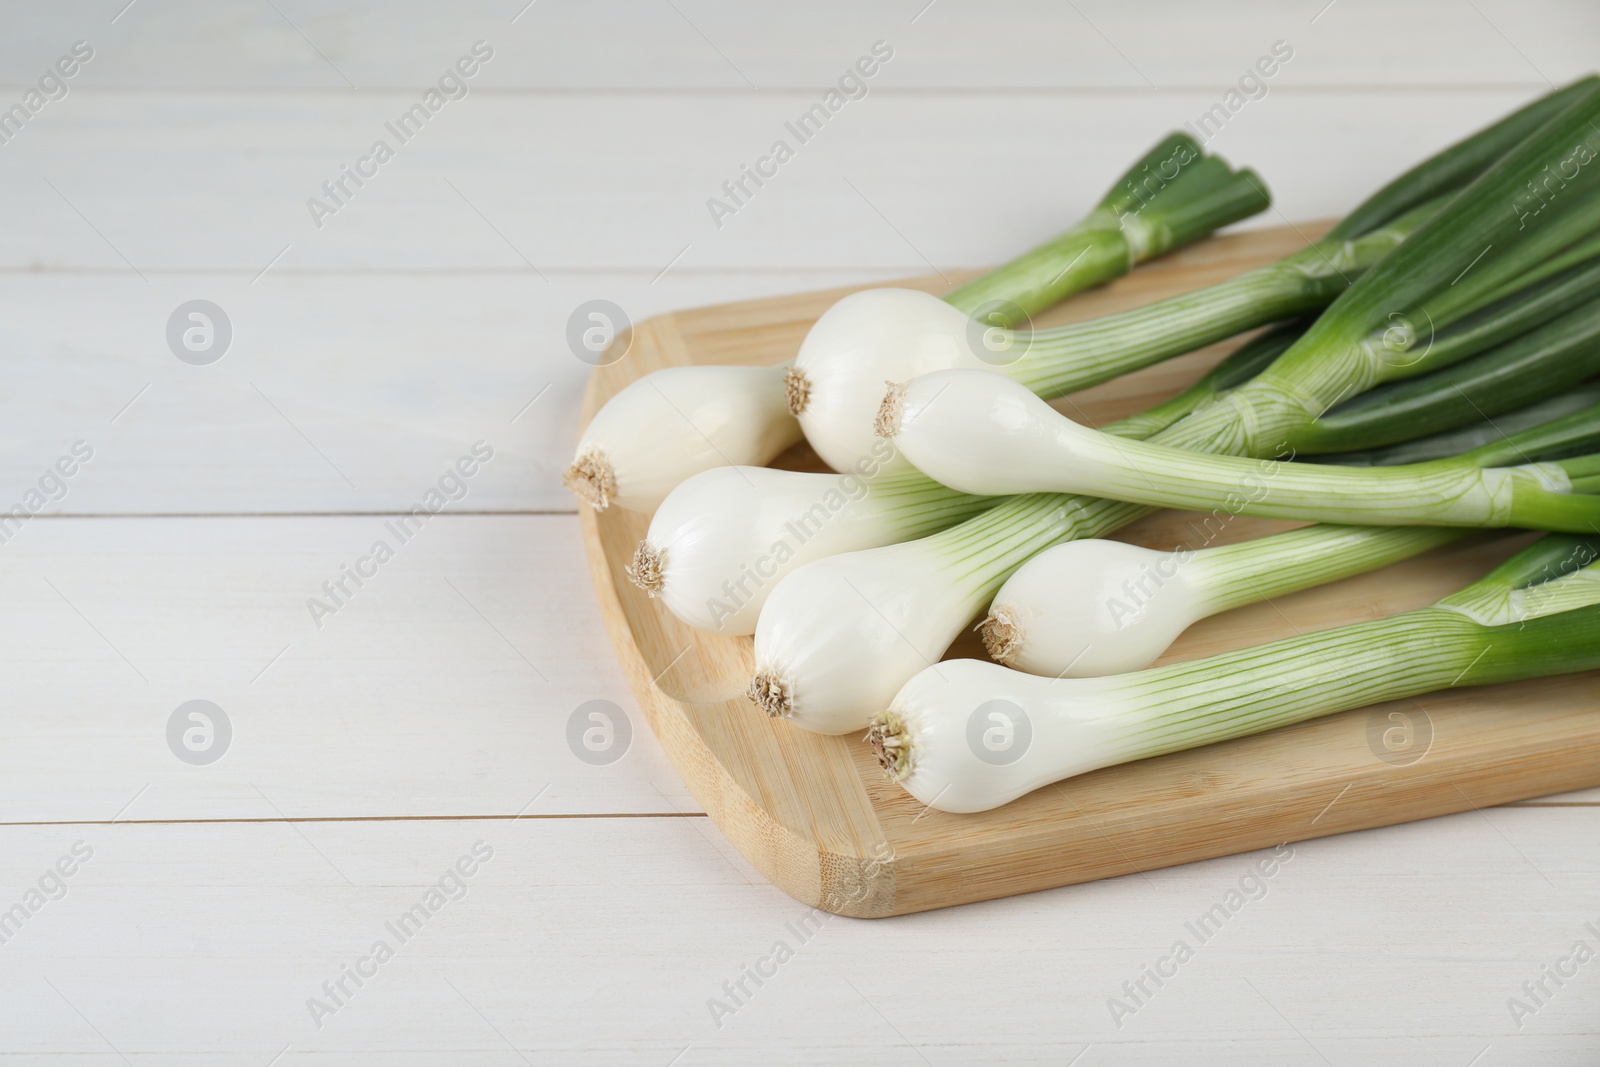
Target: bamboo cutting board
817 816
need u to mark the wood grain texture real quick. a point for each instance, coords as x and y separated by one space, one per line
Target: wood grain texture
407 729
586 183
599 942
815 815
442 688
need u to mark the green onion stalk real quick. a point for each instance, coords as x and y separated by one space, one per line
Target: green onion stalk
1481 431
1172 196
976 433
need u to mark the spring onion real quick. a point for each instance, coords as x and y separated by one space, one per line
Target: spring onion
723 539
711 415
1096 607
980 432
675 422
969 735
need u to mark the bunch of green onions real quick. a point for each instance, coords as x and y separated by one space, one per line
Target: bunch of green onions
840 635
1430 366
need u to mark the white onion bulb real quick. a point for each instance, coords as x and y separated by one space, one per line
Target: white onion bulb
1093 607
676 422
722 540
860 343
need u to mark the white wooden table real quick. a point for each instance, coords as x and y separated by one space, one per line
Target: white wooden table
374 748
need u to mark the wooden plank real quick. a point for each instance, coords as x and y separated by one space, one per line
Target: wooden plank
173 181
647 46
602 942
793 801
443 686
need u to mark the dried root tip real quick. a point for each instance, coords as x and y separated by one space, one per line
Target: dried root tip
645 570
772 695
887 424
1001 631
796 390
591 477
887 736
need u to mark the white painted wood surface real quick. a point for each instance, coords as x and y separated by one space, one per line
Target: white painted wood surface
430 711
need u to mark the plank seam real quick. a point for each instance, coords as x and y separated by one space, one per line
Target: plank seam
363 818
